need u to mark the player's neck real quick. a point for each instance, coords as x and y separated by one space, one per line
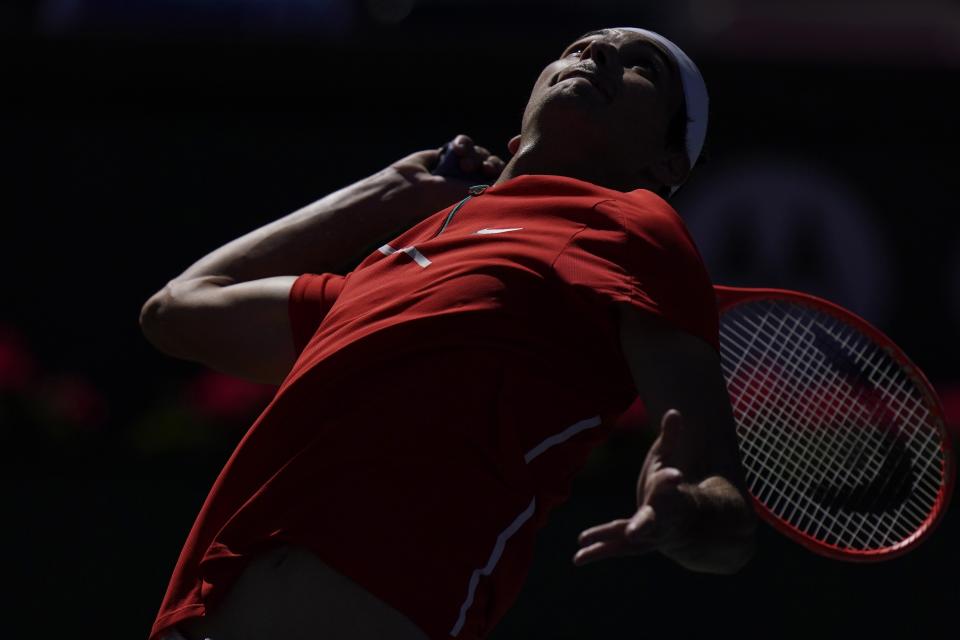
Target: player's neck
535 156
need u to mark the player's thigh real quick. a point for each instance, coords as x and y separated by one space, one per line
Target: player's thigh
290 594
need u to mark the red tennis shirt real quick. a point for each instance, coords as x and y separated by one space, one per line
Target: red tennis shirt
446 392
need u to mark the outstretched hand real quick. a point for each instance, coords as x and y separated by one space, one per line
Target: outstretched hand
436 192
666 505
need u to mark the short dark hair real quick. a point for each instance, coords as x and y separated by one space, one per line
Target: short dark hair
676 139
677 130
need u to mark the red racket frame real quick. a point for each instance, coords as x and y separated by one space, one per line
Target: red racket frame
730 297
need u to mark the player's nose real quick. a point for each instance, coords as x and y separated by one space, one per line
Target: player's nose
602 53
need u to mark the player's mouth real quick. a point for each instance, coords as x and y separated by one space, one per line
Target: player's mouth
594 79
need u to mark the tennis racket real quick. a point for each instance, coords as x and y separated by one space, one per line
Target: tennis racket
842 438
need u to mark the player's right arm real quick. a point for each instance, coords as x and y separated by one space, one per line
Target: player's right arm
229 310
238 328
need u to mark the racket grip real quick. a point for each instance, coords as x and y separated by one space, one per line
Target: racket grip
449 167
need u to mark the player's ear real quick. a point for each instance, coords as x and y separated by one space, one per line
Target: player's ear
672 168
514 144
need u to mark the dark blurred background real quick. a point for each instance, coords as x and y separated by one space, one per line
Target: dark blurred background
139 135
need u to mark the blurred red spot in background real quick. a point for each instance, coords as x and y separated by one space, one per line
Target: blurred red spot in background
75 400
950 398
217 395
17 365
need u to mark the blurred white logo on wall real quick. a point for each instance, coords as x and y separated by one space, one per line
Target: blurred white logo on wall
776 222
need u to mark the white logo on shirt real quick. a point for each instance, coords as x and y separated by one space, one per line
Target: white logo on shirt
423 260
483 232
413 252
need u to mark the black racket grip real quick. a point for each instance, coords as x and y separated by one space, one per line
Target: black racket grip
449 167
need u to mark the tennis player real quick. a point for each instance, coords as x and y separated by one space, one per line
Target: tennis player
436 398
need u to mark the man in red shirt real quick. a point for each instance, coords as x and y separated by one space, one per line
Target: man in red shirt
436 399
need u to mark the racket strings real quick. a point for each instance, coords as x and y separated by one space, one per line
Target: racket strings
805 516
830 427
796 450
857 458
846 434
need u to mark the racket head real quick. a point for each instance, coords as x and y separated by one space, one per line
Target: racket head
784 508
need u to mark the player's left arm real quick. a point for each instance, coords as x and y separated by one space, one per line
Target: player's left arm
692 502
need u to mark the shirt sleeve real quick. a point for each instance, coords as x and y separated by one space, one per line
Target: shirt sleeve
311 297
638 251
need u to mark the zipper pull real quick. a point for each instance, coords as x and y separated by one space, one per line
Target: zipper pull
475 190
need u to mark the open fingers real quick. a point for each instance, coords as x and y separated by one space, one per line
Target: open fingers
642 528
603 532
600 551
610 549
625 536
622 537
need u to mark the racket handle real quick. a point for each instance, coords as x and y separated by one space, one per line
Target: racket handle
449 167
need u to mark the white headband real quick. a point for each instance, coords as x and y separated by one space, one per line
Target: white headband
694 93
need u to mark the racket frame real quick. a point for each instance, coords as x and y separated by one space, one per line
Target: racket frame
730 297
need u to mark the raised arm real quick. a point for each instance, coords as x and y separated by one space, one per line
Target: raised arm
229 310
692 503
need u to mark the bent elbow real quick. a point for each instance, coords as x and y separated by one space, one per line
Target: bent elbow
149 313
156 323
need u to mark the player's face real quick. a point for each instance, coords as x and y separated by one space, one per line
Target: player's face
614 90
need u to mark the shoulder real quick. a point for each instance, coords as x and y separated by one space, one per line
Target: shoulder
645 207
651 220
663 252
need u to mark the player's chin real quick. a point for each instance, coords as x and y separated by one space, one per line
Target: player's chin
575 94
573 117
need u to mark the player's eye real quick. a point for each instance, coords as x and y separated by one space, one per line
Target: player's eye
575 48
645 69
